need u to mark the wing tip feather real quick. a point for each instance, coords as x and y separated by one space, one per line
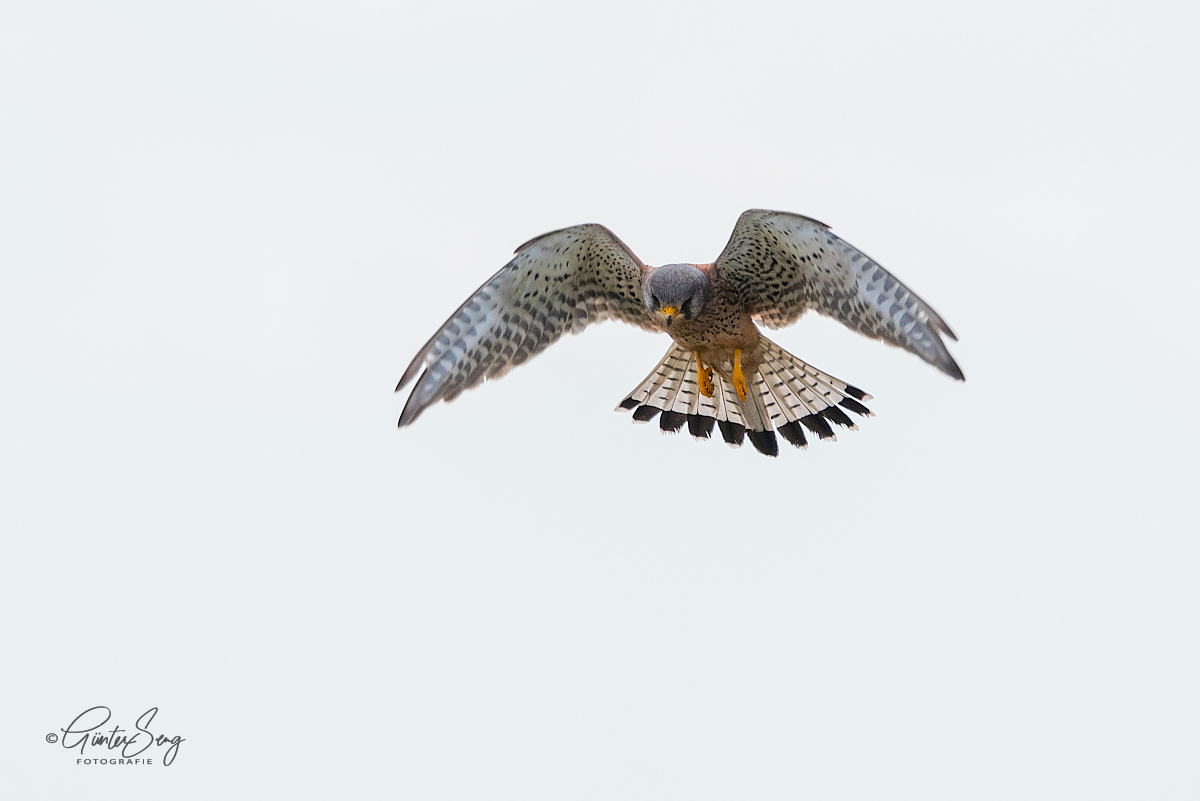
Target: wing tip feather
411 371
951 368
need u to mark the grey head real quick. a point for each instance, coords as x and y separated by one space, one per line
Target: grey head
675 289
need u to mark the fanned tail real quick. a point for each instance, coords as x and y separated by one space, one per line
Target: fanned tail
785 395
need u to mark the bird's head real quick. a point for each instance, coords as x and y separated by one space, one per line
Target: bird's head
675 289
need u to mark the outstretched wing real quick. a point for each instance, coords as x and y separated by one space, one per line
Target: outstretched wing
782 265
558 282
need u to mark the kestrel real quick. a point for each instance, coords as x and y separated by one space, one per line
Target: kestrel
720 369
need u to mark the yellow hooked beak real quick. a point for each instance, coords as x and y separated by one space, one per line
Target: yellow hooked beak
669 312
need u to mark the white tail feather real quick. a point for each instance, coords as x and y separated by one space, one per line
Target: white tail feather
785 393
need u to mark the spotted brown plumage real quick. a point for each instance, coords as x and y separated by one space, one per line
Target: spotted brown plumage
720 370
781 265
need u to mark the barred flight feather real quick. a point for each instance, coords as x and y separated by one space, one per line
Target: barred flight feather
785 394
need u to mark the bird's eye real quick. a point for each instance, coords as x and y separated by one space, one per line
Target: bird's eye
654 300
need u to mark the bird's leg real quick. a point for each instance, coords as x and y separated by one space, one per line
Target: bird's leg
704 376
739 380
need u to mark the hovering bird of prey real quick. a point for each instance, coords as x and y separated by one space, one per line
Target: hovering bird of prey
720 369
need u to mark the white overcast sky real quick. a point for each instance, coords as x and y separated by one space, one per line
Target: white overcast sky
225 228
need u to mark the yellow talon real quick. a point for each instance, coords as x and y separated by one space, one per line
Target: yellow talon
704 376
739 380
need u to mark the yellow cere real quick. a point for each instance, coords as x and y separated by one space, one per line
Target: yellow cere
669 310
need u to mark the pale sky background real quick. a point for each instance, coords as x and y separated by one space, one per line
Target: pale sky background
226 227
